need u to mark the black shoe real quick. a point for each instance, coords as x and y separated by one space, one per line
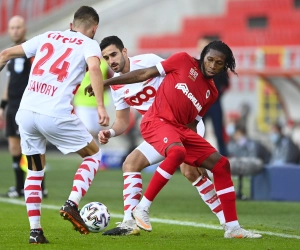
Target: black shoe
69 211
37 237
14 193
124 228
45 193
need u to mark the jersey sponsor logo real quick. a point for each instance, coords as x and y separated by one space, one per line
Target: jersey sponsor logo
19 65
207 93
184 88
141 97
43 88
193 74
63 39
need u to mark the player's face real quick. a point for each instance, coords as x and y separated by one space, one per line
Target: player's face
115 58
213 64
16 31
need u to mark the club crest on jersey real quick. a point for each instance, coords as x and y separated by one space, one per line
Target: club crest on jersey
193 74
184 88
207 93
126 91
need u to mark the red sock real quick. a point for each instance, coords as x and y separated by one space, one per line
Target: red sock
225 189
164 172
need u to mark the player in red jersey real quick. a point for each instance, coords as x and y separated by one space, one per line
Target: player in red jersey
140 97
45 113
164 126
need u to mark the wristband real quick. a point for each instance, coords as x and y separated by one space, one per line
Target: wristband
3 104
112 132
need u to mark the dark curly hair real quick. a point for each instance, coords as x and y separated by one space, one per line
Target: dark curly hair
222 47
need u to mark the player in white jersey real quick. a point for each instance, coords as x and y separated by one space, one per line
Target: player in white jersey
141 96
45 112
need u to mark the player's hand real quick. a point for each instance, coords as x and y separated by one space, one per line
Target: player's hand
103 117
1 114
203 172
88 89
104 136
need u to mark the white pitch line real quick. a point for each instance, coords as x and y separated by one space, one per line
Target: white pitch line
164 221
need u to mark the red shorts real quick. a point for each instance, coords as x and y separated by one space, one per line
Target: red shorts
161 135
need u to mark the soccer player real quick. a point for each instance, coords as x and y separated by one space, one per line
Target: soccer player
45 112
18 70
141 97
186 92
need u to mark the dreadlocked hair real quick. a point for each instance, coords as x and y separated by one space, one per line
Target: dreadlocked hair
222 47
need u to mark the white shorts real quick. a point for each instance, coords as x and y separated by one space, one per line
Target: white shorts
89 117
153 156
68 134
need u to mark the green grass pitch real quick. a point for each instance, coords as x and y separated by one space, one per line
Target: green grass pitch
178 201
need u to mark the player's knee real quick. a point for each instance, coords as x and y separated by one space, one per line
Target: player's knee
177 152
14 149
97 156
224 165
129 165
191 173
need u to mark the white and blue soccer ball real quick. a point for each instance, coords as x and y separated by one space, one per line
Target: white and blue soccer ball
96 216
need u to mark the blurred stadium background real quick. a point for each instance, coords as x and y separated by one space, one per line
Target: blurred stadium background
264 36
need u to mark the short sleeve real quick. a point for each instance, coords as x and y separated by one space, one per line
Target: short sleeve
171 64
30 47
92 49
119 100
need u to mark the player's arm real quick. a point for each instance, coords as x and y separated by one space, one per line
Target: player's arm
134 76
10 53
97 84
119 127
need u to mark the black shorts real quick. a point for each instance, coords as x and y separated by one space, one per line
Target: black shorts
12 128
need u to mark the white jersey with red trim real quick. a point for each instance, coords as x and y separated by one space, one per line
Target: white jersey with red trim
138 95
57 70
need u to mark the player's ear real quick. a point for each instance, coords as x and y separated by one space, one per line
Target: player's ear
95 29
124 52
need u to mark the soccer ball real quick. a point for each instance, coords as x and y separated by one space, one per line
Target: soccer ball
96 216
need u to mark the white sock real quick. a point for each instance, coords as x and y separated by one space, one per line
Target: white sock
132 192
144 202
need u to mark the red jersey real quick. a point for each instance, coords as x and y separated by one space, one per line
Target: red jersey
184 93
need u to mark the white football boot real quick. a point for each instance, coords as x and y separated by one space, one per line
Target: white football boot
239 232
141 216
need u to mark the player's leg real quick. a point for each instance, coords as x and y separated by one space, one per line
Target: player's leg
70 135
205 189
12 134
220 167
166 139
83 178
140 158
33 145
15 152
